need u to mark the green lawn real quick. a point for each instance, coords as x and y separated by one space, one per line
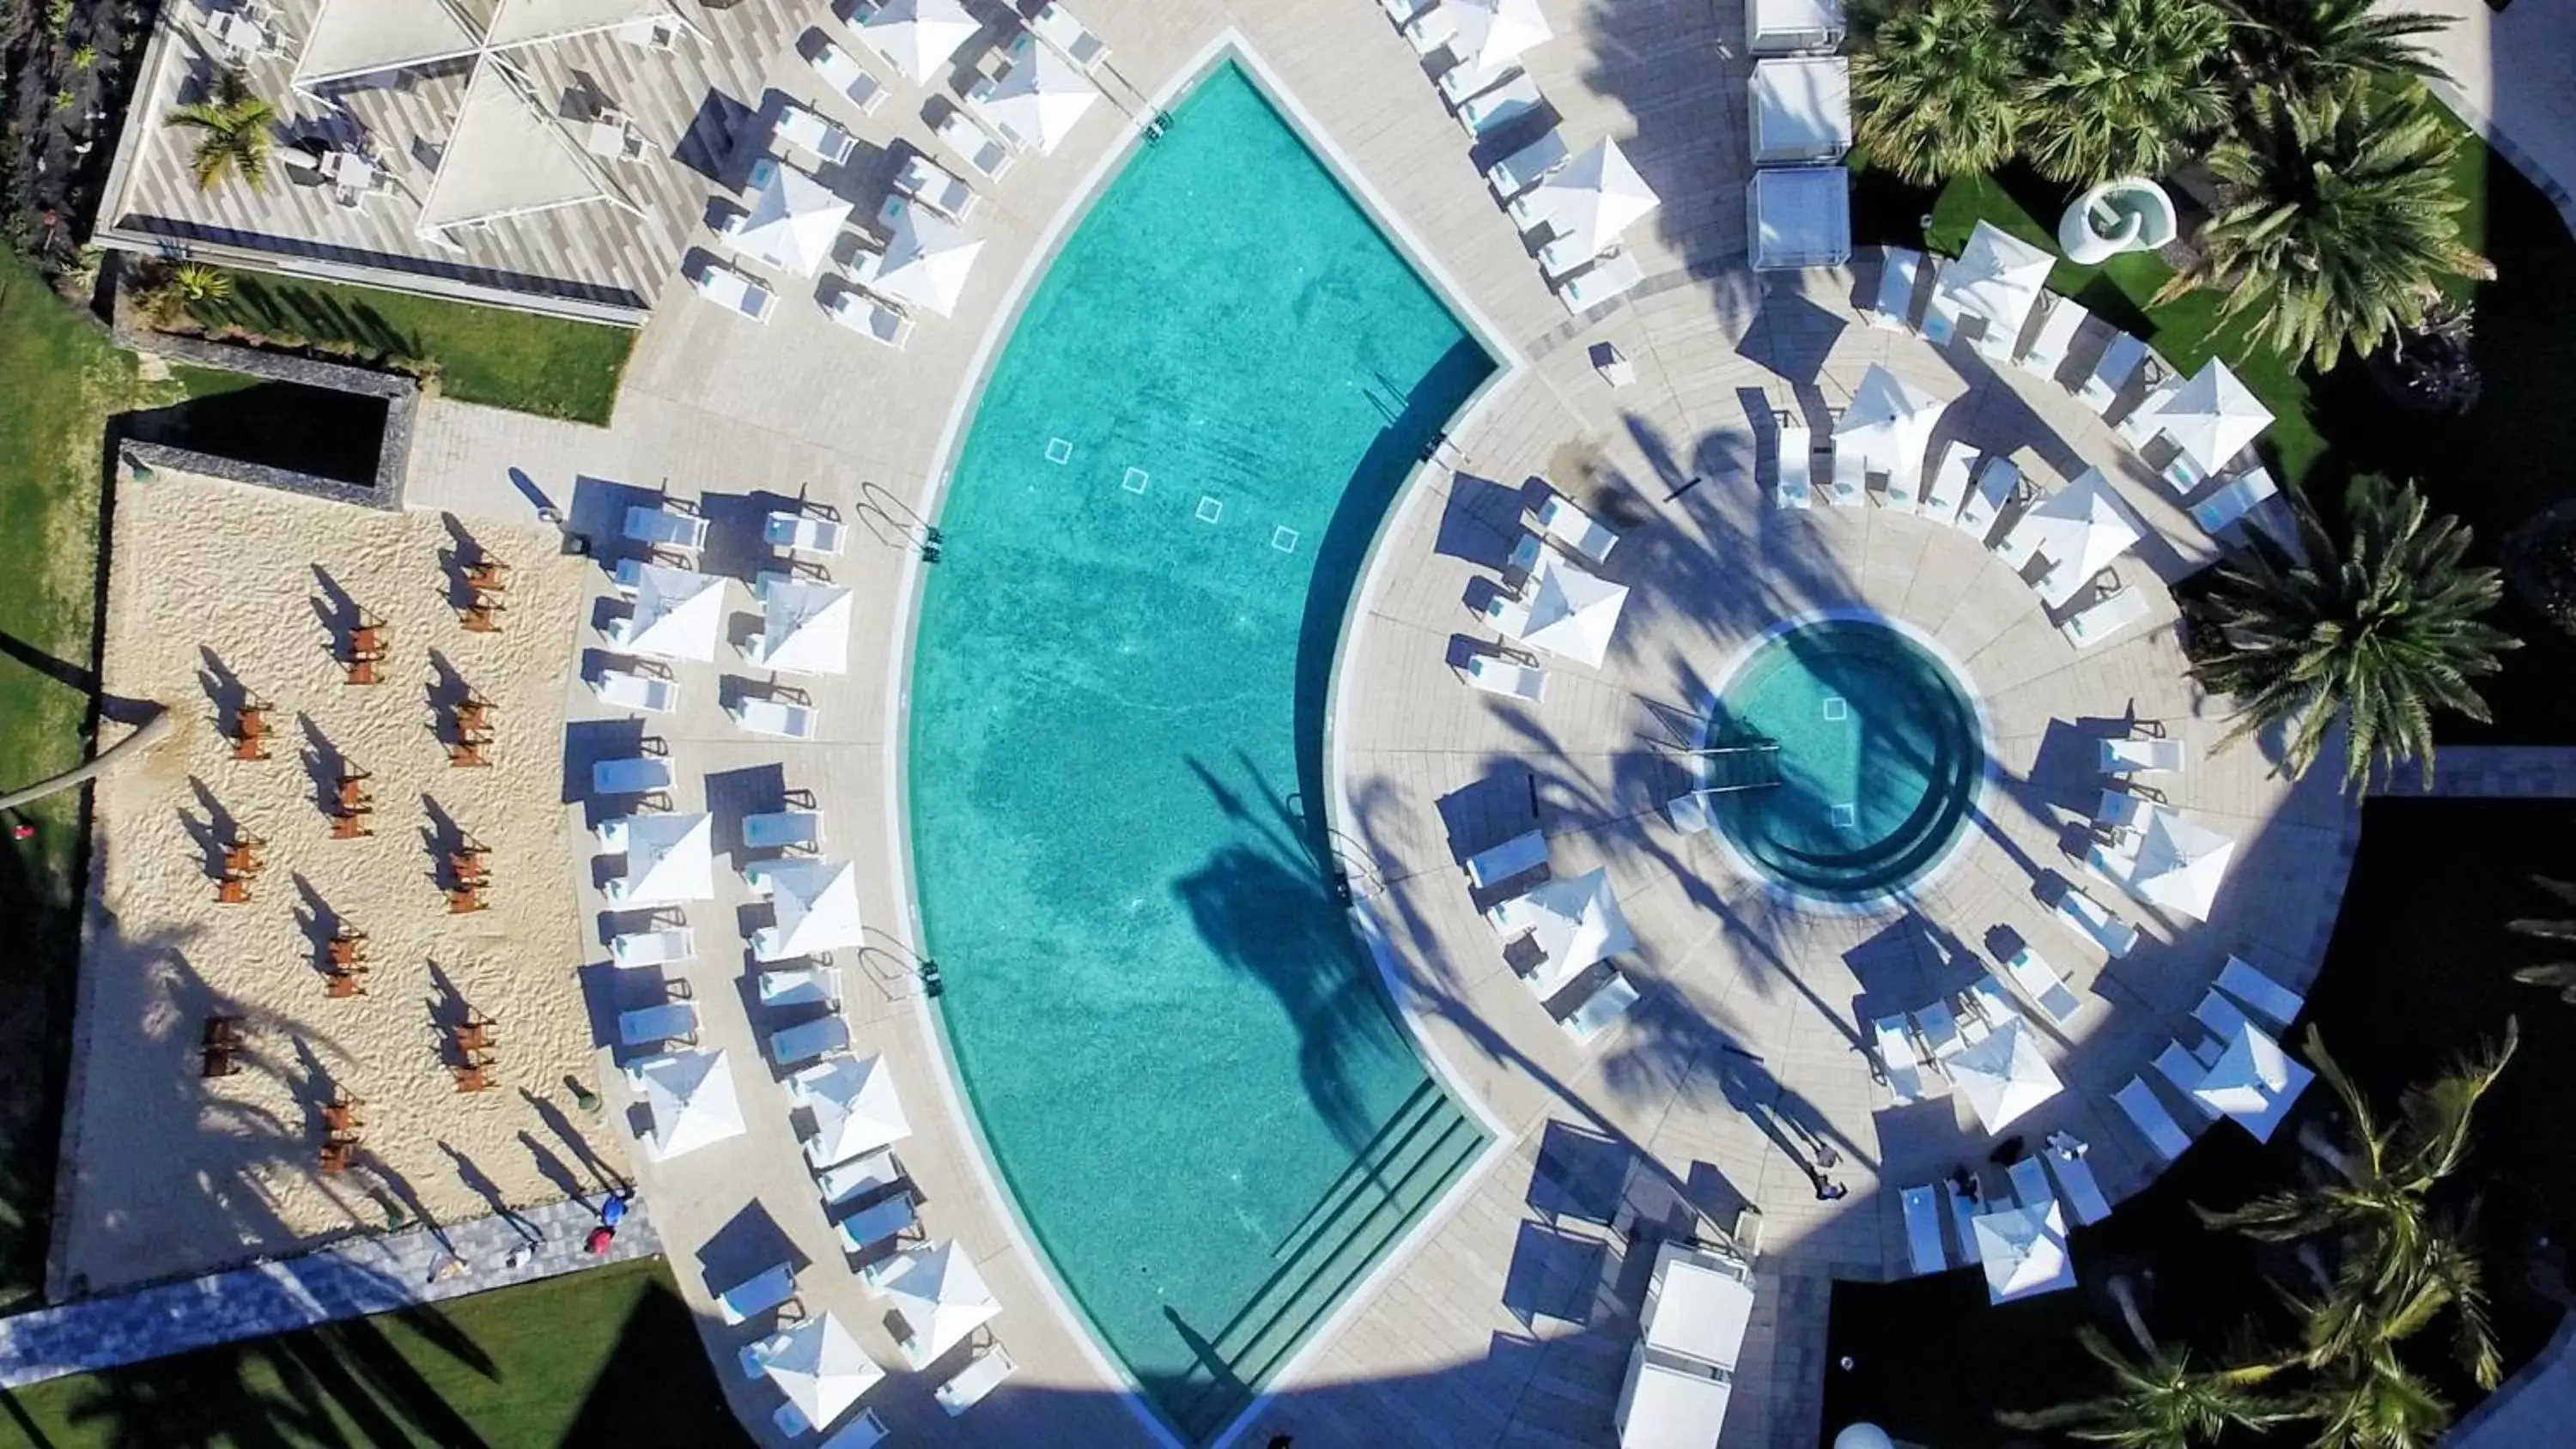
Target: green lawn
602 1357
488 355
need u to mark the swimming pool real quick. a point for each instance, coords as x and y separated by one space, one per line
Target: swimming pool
1877 749
1175 1043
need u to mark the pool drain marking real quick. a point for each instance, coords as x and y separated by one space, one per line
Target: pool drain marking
1135 480
1284 539
1059 450
1836 708
1211 508
1846 817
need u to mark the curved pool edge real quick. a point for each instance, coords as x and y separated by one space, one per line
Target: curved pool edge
955 1094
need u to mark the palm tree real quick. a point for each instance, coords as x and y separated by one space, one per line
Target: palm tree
2372 1401
2335 220
1937 91
238 127
2132 85
2307 49
2558 976
2161 1403
2377 634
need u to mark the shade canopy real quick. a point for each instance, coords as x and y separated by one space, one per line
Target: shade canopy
2253 1081
2179 863
794 219
818 906
2210 418
505 157
1572 612
1494 33
1702 1303
805 628
941 1297
670 859
2080 528
1890 421
820 1368
1801 217
691 1098
1574 922
2003 1076
2023 1250
917 37
856 1109
928 261
679 614
1801 108
1591 199
1041 98
1998 277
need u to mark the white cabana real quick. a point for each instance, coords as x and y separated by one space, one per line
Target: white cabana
820 1368
1038 101
1700 1304
2253 1081
1998 277
2209 419
804 628
670 859
2177 863
794 219
856 1109
1591 199
1573 921
1494 33
2079 529
917 37
1889 422
1569 612
818 909
1774 26
679 614
2003 1075
939 1295
2023 1250
928 261
1668 1402
1801 109
691 1098
1801 217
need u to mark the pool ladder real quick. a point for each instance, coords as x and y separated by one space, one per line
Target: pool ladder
1752 765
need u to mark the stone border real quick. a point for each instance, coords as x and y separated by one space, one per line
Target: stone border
401 395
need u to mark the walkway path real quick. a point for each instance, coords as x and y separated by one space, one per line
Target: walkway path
2490 772
369 1274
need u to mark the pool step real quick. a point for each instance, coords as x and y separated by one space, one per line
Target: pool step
1402 1170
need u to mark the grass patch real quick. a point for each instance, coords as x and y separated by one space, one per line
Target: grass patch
489 355
608 1356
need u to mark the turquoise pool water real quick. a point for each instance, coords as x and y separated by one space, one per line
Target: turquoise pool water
1176 1044
1880 758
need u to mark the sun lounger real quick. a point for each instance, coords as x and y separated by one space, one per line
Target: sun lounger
1893 307
879 1222
609 837
1986 996
2150 756
2267 997
1849 487
2047 350
666 527
2182 1071
2104 617
1430 30
651 1026
867 1431
783 830
2035 979
2181 474
2097 923
1560 520
810 133
775 718
625 690
1496 675
2111 372
639 775
2140 424
1601 1010
871 318
1612 276
984 153
1056 26
1923 1230
2220 1013
851 79
1401 13
1997 477
2239 496
936 187
627 576
2065 1156
1482 115
1963 1219
2119 810
804 533
1905 485
807 1040
801 986
1940 1029
1941 312
873 1172
1949 486
757 1294
741 295
2030 1186
1793 460
1460 83
654 948
1510 860
2148 1115
1526 168
1897 1059
969 1385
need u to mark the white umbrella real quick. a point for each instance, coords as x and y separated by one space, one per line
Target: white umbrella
1998 276
1593 198
1494 33
939 1296
669 859
2080 529
1038 102
794 219
1571 612
679 614
2023 1250
927 262
805 628
818 908
1575 921
820 1368
2003 1075
2178 864
1889 421
2212 417
918 36
691 1097
856 1109
2254 1081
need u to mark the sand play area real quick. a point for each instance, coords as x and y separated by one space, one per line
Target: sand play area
222 595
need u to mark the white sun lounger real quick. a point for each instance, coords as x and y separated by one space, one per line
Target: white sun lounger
1997 477
1849 486
1559 519
2119 810
741 295
807 1040
654 948
1510 860
626 690
638 775
1401 13
801 986
2075 1182
2182 1071
843 74
805 533
1963 1219
2138 425
1793 460
867 1431
1496 675
1056 26
1430 30
2097 923
609 836
881 1221
1612 276
871 1172
871 319
1500 106
936 187
757 1294
2104 617
2220 1014
2267 997
1940 1029
2112 371
1987 995
666 527
1897 1059
2047 350
1459 82
1949 487
774 718
1893 307
810 133
1524 169
2239 496
971 1384
2148 1115
650 1026
1601 1010
1905 484
2046 989
2151 756
984 153
783 830
1923 1230
2030 1186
